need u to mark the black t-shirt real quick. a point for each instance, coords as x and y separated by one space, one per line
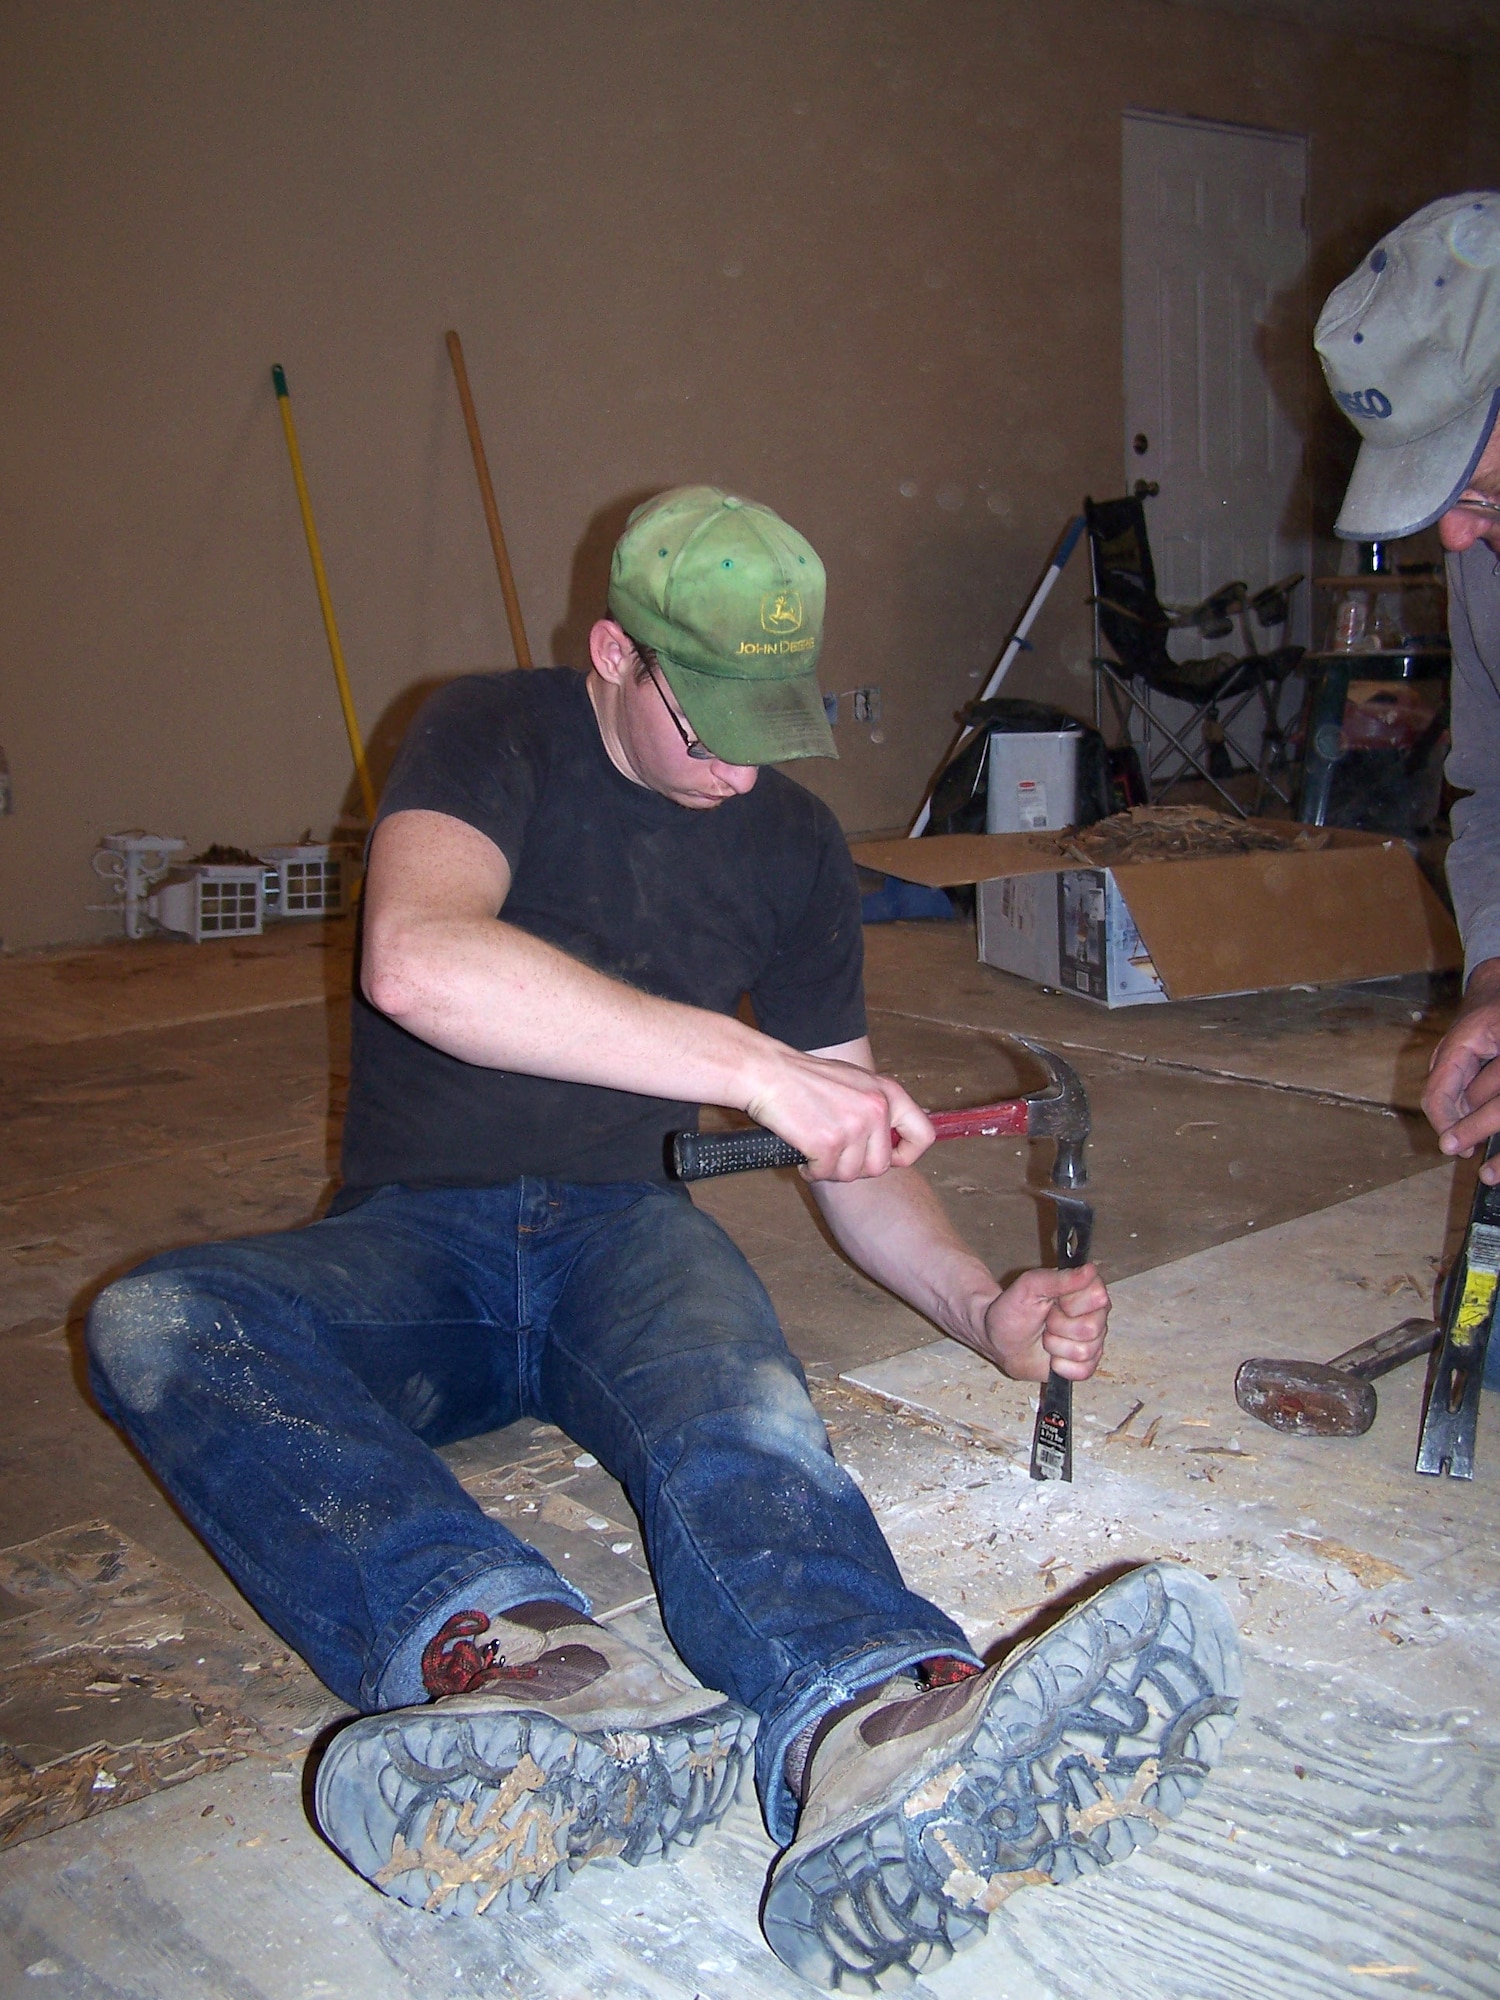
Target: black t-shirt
757 895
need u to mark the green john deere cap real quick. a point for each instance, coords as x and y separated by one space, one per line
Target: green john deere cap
1410 343
730 599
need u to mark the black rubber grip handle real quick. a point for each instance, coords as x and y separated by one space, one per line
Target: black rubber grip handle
698 1156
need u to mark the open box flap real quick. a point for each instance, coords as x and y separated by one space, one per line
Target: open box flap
952 860
1234 922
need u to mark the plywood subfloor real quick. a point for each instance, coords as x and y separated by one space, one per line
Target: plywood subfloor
168 1093
1348 1838
96 991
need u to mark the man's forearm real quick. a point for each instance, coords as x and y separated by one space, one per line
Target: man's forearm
491 994
897 1231
1473 870
1473 767
1483 987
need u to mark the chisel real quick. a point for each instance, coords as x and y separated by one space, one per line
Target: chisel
1052 1440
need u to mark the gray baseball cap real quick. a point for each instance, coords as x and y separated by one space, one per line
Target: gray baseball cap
1410 344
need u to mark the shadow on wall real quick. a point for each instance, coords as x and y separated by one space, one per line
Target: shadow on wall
964 586
588 589
588 580
384 740
444 439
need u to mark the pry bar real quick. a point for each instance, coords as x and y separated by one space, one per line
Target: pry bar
1451 1419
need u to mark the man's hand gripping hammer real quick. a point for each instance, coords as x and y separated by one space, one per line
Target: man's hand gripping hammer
1060 1112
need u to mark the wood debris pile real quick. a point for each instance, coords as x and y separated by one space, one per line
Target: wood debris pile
1180 833
220 855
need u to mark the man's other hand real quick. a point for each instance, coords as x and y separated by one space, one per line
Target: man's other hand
1462 1098
1047 1320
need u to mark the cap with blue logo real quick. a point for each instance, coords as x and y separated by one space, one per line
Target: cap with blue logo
1410 344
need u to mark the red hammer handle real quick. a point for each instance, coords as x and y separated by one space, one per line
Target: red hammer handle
696 1156
988 1121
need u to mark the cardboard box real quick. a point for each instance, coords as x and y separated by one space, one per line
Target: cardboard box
1071 929
1143 931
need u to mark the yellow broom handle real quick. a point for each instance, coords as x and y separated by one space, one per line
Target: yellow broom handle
320 577
487 501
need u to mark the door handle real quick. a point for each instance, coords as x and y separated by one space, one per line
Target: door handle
1146 489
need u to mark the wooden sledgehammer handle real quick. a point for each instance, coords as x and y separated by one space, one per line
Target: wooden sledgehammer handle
1388 1350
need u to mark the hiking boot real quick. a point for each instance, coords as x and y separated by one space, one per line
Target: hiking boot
570 1745
924 1814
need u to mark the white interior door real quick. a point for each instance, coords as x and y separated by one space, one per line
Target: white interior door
1215 248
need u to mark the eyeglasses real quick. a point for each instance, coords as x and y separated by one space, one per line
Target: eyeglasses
1488 508
699 752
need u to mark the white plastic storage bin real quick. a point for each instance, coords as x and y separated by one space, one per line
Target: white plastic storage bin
1033 781
305 881
211 901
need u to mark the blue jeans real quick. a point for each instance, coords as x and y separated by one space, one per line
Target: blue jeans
288 1391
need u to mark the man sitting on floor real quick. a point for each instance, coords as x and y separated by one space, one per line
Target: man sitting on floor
573 881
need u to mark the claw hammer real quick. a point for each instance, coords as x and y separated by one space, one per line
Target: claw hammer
1060 1112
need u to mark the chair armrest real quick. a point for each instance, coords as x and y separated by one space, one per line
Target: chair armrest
1124 611
1214 616
1272 605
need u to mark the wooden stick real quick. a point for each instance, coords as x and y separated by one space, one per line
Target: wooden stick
320 578
491 511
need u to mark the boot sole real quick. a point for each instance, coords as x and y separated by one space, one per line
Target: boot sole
1088 1742
467 1812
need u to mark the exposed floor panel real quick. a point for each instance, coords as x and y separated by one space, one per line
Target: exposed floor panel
1369 1042
1334 1552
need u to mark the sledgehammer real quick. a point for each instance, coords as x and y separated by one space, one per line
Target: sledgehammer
1329 1398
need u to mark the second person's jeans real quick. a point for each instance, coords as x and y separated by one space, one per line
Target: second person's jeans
288 1391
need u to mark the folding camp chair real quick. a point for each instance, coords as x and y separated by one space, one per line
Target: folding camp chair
1132 620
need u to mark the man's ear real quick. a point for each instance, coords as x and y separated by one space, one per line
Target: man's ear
610 652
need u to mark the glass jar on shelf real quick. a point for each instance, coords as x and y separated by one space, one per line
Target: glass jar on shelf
1375 724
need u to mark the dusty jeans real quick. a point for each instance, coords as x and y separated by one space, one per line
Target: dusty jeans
289 1390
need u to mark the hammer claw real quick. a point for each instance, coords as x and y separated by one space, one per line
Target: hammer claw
1059 1112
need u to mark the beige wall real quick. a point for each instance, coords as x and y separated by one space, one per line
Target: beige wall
858 259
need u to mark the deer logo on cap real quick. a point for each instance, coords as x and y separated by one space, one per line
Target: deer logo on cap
781 611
